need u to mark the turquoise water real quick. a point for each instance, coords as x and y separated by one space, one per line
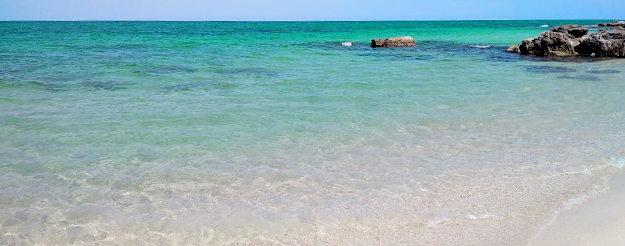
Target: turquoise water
231 133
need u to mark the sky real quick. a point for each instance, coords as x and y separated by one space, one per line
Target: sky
307 10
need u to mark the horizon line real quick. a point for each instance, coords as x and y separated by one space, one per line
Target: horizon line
148 20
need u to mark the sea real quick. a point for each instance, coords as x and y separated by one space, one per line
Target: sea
297 133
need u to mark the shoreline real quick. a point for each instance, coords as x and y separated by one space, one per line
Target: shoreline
598 221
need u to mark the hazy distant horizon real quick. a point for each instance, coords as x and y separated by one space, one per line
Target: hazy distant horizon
433 20
322 10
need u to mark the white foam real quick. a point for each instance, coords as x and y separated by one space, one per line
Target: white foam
617 162
613 162
347 44
544 25
581 198
479 217
482 46
436 222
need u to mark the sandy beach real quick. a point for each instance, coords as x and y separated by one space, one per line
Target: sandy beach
598 221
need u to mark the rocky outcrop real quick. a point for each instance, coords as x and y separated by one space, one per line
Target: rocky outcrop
549 43
603 43
574 40
613 24
405 41
573 30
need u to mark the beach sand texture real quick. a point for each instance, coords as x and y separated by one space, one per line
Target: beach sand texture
598 221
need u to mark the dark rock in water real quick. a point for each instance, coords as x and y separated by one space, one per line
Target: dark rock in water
573 40
550 43
549 69
603 43
603 71
613 24
405 41
513 49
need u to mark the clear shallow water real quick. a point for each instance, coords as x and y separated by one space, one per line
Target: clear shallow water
267 133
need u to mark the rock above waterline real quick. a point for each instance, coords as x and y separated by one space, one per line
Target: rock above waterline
513 49
603 43
549 43
574 40
405 41
576 31
613 23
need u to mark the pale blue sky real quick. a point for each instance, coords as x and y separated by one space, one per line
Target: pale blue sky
254 10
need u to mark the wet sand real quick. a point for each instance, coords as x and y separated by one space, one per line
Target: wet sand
598 221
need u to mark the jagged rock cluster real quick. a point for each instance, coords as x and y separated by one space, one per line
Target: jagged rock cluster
613 24
574 40
405 41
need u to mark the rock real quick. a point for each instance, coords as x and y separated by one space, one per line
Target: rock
576 31
572 40
613 23
513 49
550 43
405 41
603 43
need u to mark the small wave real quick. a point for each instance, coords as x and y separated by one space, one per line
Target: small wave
436 222
347 44
481 46
482 216
580 77
581 198
617 162
603 71
195 85
544 25
103 85
170 69
248 72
